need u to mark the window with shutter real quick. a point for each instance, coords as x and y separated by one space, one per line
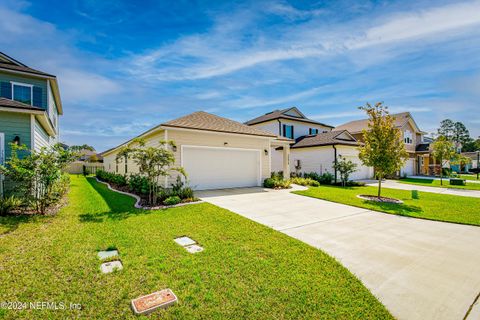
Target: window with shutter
37 97
6 90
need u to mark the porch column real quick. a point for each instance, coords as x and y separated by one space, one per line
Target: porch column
286 161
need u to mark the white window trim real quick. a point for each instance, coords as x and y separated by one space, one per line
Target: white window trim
410 136
2 148
13 83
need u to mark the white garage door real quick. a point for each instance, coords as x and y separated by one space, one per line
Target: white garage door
408 168
217 168
361 172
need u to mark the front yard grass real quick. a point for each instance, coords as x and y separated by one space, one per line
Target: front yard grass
247 271
469 177
436 183
440 207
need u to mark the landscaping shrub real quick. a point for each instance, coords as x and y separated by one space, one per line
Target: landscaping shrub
113 178
312 175
275 183
277 175
305 181
8 204
38 176
138 184
173 200
326 178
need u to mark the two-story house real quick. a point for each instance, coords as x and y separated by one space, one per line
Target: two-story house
30 106
416 145
316 146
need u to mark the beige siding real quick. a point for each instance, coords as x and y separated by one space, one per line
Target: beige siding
409 127
197 138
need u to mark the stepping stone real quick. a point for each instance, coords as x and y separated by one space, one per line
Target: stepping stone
185 241
194 248
107 254
160 299
111 266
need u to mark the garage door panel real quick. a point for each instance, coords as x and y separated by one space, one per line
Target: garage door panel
214 168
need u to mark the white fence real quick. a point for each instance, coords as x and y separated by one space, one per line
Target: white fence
79 167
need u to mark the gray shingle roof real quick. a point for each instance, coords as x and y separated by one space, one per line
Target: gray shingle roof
279 114
323 139
7 103
14 67
201 120
358 125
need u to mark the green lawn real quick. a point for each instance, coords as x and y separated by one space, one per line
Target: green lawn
247 271
436 183
469 177
431 206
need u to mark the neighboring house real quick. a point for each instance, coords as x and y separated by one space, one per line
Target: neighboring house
215 152
419 160
316 146
29 107
464 168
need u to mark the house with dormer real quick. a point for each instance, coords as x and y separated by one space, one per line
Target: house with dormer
316 146
30 107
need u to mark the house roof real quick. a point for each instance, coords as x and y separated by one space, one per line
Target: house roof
201 120
7 103
23 68
326 138
358 126
10 64
281 114
423 147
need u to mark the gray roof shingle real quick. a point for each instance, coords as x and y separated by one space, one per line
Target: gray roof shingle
279 114
323 139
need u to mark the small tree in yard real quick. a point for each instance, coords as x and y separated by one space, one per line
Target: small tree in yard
345 168
153 163
38 175
443 150
383 147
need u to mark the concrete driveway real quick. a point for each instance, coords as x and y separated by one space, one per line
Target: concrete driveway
418 269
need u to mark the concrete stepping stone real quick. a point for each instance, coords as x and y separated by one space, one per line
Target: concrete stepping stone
159 299
111 266
185 241
194 248
107 254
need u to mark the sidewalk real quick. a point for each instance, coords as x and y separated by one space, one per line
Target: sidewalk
436 178
392 184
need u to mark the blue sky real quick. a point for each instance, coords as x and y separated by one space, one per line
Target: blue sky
125 66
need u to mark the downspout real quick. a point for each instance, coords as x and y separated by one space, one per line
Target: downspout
279 128
335 161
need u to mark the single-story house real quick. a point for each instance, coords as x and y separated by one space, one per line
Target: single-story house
215 152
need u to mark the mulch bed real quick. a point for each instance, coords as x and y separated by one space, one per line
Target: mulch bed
379 199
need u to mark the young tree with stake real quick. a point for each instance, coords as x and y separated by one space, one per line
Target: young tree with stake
383 147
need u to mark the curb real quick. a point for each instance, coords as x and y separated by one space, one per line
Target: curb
137 204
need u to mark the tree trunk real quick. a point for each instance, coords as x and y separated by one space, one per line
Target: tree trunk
441 172
379 186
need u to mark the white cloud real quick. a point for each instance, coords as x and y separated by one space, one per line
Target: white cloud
51 50
216 53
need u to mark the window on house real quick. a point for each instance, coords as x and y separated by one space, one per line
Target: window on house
22 93
288 131
312 131
407 137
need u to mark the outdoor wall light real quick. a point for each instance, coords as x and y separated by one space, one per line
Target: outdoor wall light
16 140
266 152
174 148
225 144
